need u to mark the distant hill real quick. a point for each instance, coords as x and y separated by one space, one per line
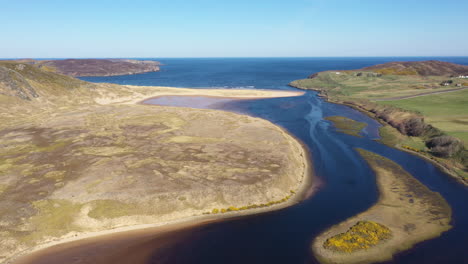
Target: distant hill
27 82
423 68
96 67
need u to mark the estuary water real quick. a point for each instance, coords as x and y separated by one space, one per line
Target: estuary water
348 185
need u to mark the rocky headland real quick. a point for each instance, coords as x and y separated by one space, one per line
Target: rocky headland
95 67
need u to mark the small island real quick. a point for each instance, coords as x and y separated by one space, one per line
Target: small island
406 213
346 125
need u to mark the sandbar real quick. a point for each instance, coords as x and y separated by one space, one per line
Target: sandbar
411 211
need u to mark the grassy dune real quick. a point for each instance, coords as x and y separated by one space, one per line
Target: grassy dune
78 158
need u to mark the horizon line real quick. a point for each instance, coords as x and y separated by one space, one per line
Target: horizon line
240 57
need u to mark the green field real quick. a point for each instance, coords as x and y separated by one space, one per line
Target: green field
372 86
401 100
447 111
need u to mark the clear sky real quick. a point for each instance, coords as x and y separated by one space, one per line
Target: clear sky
232 28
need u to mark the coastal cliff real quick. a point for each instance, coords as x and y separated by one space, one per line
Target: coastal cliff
96 67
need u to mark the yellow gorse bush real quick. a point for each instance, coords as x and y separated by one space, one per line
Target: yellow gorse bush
411 148
363 235
252 206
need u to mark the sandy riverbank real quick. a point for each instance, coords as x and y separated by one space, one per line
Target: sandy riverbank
411 211
110 230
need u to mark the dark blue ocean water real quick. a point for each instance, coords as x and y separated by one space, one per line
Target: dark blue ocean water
261 73
348 184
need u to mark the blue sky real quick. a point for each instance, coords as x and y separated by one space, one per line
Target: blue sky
235 28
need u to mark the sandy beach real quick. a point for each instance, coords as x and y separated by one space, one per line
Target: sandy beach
142 93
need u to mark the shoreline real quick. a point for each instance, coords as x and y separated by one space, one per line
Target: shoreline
307 187
143 93
436 163
429 216
425 157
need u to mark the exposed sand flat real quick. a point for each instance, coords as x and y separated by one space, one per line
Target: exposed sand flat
408 208
140 93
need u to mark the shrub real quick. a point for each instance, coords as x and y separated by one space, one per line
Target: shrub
411 148
414 127
364 234
215 211
431 132
444 146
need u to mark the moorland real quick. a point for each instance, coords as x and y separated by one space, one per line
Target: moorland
95 67
78 158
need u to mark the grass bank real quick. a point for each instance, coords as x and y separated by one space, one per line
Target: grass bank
433 125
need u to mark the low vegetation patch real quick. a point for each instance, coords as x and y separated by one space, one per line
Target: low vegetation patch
347 125
103 209
251 206
362 235
393 71
54 218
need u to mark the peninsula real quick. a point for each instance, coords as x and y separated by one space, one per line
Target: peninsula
423 106
80 158
406 213
95 67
